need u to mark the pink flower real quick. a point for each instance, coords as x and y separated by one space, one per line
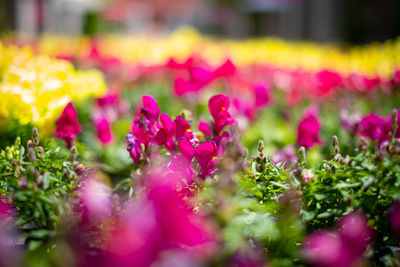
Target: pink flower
204 128
206 156
133 147
111 99
375 128
67 125
173 64
183 86
150 108
165 133
355 231
159 223
225 70
261 95
326 82
307 175
182 130
144 126
326 248
308 130
218 106
95 199
103 128
186 148
342 246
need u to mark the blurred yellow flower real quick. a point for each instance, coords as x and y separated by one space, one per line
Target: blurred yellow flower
35 88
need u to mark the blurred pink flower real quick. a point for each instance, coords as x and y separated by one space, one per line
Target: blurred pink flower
67 125
308 130
261 95
225 70
95 199
343 246
103 129
375 128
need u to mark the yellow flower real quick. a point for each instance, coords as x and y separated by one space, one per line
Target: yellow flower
35 88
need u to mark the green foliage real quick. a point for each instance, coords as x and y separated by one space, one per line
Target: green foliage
38 182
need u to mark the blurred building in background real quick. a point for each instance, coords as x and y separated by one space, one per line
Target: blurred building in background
317 20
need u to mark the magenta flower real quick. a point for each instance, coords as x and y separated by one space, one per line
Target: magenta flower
173 64
355 231
181 165
326 82
225 70
165 134
111 99
326 248
190 229
182 130
150 108
308 130
206 156
343 246
218 106
204 128
67 125
95 199
159 223
186 148
375 128
103 129
144 126
261 95
183 86
133 147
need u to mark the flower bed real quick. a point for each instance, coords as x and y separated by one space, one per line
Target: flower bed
266 153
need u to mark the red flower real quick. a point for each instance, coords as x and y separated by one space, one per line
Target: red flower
308 130
67 125
206 155
375 128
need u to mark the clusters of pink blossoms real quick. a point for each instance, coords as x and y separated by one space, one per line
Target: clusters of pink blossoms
159 227
150 128
373 126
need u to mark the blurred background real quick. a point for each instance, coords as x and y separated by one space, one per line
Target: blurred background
347 21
